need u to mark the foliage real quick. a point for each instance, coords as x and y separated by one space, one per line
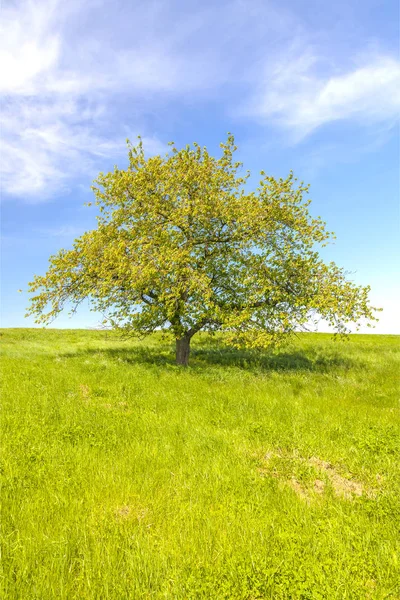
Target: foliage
182 245
124 476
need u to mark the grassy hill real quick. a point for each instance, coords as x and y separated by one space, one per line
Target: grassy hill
246 476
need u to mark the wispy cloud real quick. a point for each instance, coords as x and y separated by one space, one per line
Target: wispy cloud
55 119
44 143
79 77
30 46
299 95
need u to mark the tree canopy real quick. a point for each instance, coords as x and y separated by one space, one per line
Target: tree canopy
182 245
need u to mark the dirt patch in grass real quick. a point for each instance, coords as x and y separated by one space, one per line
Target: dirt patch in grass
123 512
319 486
289 468
306 492
347 488
134 513
300 490
84 391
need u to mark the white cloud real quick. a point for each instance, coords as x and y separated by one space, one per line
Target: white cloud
298 96
79 77
44 144
29 48
55 123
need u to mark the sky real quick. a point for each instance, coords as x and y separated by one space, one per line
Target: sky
304 85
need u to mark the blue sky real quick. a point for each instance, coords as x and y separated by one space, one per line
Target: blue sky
306 85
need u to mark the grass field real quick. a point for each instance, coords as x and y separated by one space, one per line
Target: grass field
246 476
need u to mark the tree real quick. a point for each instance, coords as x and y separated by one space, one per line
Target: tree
182 245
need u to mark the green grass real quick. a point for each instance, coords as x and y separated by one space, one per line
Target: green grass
246 476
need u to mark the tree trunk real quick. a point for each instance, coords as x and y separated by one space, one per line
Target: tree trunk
183 351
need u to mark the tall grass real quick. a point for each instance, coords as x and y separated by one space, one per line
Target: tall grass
246 476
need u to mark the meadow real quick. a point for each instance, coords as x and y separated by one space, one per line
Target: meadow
272 475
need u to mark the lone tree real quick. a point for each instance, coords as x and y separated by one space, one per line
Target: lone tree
181 245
